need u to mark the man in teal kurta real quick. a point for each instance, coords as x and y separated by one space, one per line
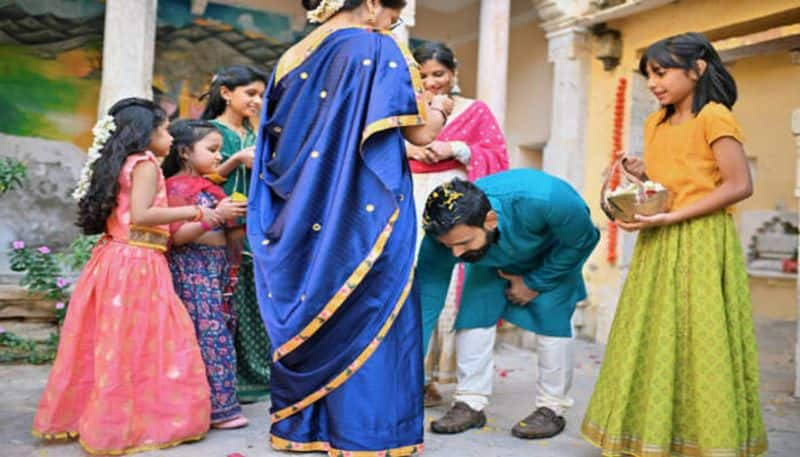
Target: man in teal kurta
524 236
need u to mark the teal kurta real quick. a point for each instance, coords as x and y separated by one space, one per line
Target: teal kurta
546 235
232 142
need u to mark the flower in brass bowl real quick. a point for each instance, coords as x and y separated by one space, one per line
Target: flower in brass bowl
626 202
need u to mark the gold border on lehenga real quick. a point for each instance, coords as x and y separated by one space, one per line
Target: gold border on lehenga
354 366
148 237
129 450
629 444
280 444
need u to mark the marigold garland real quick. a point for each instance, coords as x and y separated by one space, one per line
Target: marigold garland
616 153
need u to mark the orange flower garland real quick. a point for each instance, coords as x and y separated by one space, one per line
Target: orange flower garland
616 153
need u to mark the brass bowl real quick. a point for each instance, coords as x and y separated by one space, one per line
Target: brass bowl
624 207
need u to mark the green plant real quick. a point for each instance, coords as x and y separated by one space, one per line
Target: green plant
79 251
43 274
15 349
42 271
12 174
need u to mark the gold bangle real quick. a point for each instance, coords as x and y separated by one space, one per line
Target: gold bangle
198 214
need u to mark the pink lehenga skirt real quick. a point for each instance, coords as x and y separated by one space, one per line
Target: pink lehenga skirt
128 376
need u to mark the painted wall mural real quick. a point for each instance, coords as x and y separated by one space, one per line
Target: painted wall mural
189 49
51 59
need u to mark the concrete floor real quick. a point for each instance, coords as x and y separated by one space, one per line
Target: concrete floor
513 400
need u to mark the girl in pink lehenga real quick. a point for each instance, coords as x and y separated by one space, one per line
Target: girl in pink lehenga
470 146
128 375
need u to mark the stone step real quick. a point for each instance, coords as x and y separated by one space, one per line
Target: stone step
17 304
37 331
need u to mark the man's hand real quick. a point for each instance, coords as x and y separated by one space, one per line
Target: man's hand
517 292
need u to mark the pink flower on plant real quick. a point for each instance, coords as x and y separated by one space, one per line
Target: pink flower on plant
2 330
44 250
60 305
61 282
18 245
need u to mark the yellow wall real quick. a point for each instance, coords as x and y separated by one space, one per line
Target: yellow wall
768 92
467 55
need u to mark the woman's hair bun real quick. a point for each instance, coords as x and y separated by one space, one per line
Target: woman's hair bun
311 4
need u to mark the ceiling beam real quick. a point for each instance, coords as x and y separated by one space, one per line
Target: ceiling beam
785 38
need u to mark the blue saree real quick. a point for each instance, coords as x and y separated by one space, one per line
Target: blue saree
332 227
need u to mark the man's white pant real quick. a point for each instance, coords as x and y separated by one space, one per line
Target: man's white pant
474 348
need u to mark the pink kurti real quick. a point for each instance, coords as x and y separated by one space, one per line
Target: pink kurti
478 128
128 375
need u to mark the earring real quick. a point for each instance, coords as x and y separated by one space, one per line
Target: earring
228 101
455 89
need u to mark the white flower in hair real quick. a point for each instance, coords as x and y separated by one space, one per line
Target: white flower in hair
325 10
102 131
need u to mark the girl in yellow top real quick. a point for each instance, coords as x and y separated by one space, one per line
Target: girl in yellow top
680 375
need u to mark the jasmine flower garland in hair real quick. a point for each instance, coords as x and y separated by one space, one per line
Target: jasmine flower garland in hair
325 10
102 131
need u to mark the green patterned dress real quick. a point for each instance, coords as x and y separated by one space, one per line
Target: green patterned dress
680 372
253 348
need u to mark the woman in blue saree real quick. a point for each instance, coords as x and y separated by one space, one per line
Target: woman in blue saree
332 225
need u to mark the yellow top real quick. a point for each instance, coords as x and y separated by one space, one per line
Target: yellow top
680 156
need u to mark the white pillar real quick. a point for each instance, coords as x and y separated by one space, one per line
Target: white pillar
128 50
408 15
493 55
569 50
796 132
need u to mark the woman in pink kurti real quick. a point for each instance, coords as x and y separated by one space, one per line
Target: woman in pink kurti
470 146
128 375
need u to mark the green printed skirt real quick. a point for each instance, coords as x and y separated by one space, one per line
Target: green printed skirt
253 349
680 375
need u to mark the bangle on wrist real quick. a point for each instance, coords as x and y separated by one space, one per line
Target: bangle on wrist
198 214
444 115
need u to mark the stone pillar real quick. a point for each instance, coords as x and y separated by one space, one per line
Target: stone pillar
128 50
408 15
569 50
796 133
493 55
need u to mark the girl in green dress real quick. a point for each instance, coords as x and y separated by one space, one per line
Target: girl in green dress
235 97
680 374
